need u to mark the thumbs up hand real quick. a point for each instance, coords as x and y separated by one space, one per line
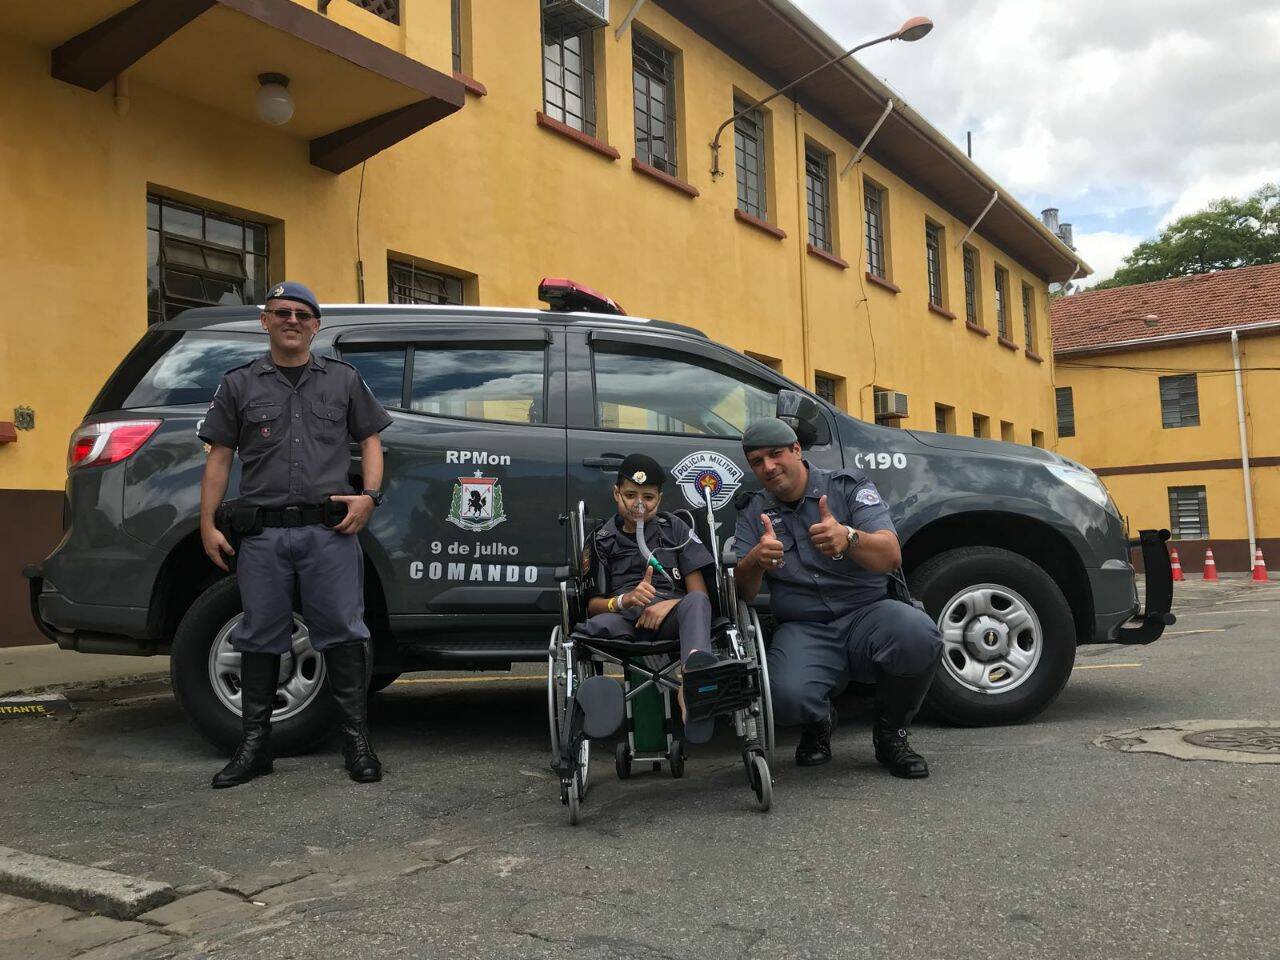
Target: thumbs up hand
769 550
828 534
643 594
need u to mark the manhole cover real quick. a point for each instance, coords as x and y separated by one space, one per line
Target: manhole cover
1248 739
1228 741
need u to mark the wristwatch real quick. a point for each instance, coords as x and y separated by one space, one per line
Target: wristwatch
374 495
853 542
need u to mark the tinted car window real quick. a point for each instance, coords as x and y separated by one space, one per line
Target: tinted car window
383 371
662 393
171 367
502 383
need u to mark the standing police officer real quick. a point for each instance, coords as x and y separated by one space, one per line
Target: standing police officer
825 542
291 414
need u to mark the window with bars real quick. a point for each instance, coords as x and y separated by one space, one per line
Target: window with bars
386 9
944 418
1029 317
1179 401
1037 438
654 97
817 188
1066 411
828 388
971 286
201 258
407 283
1002 302
748 142
981 426
569 77
933 248
875 223
1188 513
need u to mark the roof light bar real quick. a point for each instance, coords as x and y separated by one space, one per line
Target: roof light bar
566 296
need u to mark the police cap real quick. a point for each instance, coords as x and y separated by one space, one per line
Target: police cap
642 470
768 433
295 291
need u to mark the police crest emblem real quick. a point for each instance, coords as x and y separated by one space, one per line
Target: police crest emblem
707 472
477 503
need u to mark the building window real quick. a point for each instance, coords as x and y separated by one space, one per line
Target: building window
874 204
828 388
981 426
568 77
1029 317
933 248
1006 431
201 258
1066 412
407 283
1037 438
817 185
1188 513
654 87
971 286
386 9
1002 303
773 363
944 418
1179 401
748 141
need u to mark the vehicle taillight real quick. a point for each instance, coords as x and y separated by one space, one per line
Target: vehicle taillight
97 444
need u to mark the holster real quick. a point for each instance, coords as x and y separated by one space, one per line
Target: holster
235 521
335 511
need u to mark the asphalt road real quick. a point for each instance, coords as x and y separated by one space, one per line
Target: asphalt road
1027 841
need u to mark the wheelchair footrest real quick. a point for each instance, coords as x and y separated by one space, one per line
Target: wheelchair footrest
719 688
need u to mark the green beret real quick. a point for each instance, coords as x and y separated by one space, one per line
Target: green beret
768 433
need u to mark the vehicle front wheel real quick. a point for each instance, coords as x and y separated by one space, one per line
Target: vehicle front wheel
205 671
1008 636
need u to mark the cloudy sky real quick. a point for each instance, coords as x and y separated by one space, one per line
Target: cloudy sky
1124 114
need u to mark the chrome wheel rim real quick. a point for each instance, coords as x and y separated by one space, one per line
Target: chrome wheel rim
301 672
991 637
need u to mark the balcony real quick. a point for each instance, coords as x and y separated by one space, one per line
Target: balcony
355 92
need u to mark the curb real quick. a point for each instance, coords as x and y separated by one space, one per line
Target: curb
87 889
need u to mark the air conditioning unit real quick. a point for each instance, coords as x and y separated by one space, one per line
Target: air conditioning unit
890 405
574 16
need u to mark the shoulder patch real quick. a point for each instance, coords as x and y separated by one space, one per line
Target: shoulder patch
868 496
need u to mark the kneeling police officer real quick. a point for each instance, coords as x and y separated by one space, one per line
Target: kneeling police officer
291 415
824 541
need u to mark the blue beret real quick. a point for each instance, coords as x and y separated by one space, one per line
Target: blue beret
294 291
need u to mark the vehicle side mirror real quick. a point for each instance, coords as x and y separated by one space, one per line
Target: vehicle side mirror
802 415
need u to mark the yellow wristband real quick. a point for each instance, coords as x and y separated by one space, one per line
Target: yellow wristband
613 605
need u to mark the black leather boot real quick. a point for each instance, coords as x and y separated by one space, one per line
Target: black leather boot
897 701
349 682
814 748
258 675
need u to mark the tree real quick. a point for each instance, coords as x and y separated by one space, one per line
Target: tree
1228 233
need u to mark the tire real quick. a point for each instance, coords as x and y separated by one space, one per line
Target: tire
990 597
295 728
380 681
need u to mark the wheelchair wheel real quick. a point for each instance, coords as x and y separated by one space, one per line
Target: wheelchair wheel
574 801
675 759
762 782
756 650
555 690
622 760
584 766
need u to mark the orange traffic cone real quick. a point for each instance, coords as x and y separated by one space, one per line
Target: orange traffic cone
1176 564
1259 567
1210 566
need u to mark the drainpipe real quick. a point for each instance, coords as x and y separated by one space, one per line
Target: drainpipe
862 148
626 21
121 97
801 241
1244 448
995 195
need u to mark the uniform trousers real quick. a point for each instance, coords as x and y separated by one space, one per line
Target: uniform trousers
690 621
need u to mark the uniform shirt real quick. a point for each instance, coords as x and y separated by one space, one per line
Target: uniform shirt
810 585
668 538
293 439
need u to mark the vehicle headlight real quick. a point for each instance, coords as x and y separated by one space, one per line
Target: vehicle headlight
1085 482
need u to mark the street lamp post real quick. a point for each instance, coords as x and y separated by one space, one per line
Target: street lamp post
913 29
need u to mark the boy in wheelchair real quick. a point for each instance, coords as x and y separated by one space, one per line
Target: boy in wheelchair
652 563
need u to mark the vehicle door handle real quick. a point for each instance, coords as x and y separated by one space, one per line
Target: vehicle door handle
610 461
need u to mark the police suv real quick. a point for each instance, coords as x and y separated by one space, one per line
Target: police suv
503 418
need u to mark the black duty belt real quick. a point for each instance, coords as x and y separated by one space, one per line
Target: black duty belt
294 515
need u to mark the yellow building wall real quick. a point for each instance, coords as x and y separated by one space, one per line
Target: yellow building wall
1119 433
490 195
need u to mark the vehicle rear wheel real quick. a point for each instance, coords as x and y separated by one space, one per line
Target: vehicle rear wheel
205 671
1008 636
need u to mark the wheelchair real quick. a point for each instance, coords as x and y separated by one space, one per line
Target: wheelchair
652 723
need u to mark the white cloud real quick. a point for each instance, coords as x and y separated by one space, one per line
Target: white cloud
1104 251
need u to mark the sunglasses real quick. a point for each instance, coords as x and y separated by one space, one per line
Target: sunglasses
282 313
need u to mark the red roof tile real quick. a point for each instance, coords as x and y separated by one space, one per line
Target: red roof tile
1208 301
